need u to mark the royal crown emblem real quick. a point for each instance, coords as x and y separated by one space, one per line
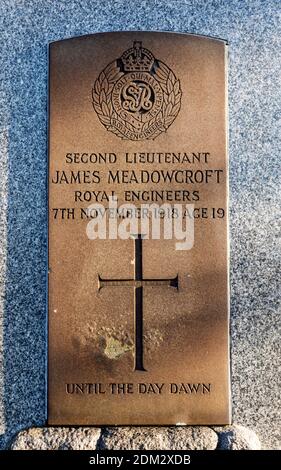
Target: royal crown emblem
137 97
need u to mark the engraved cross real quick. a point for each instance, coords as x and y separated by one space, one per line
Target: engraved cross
138 283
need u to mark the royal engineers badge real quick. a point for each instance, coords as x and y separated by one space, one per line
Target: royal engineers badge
137 97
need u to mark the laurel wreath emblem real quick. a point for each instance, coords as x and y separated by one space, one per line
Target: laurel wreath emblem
102 102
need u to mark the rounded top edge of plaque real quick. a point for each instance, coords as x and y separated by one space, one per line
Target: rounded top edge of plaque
129 32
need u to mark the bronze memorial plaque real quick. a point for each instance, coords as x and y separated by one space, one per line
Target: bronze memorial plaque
138 232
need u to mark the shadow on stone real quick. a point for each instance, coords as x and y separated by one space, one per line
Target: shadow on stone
236 437
224 440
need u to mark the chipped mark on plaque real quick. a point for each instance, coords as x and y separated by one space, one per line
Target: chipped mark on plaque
111 342
152 341
137 97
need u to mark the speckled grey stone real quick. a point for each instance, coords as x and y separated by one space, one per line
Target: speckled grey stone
234 437
57 439
253 31
149 438
159 438
237 437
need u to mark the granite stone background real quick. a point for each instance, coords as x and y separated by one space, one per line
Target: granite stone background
253 31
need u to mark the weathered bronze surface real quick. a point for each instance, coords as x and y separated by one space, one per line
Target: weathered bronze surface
138 330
